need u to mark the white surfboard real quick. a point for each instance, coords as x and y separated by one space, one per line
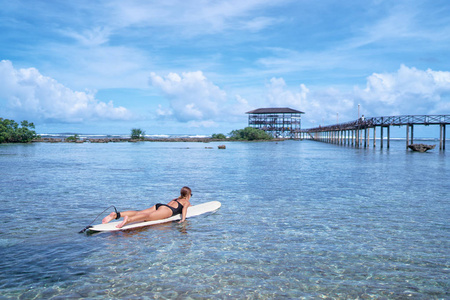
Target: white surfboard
192 211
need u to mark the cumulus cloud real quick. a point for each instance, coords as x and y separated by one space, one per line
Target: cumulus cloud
279 96
407 91
31 94
320 105
198 102
191 95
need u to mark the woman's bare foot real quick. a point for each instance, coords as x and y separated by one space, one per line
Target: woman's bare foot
108 218
123 223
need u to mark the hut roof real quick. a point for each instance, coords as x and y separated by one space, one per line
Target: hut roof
276 110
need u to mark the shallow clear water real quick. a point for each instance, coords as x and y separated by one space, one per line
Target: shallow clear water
298 219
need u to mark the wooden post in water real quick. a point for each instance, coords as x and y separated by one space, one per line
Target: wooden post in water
374 136
412 133
382 137
365 137
442 137
443 148
359 137
407 136
389 136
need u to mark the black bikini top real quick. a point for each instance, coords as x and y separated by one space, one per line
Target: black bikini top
180 206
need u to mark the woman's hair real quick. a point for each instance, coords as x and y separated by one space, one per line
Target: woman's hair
185 192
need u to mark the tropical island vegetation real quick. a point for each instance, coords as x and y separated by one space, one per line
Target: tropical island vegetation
73 138
246 134
11 132
219 136
250 134
137 134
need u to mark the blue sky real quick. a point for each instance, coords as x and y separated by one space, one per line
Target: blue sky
196 67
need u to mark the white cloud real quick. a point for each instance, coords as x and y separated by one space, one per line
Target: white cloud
240 106
259 23
191 95
321 105
30 94
279 96
163 112
191 18
94 37
204 124
195 99
407 91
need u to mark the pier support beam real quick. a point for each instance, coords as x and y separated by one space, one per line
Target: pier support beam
368 137
442 137
388 136
374 136
408 127
365 137
407 136
443 146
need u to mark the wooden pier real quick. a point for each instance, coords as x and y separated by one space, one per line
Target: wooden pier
357 133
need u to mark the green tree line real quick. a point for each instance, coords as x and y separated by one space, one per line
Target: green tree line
250 134
246 134
11 132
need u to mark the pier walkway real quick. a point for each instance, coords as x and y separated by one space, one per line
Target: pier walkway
357 133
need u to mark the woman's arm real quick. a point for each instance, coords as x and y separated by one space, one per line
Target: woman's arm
184 212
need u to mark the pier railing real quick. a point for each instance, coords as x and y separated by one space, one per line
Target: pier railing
350 132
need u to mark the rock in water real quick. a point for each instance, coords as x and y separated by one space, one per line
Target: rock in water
421 147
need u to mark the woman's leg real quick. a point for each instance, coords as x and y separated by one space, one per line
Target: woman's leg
162 213
129 213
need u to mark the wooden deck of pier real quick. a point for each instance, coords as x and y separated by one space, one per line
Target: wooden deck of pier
357 133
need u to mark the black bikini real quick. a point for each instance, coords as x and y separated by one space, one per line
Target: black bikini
175 211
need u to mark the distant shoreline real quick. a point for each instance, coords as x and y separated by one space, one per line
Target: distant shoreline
129 140
121 140
195 139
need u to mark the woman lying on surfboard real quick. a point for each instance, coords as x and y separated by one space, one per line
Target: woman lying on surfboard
156 212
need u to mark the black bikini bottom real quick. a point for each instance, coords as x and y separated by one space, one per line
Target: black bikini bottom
174 210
